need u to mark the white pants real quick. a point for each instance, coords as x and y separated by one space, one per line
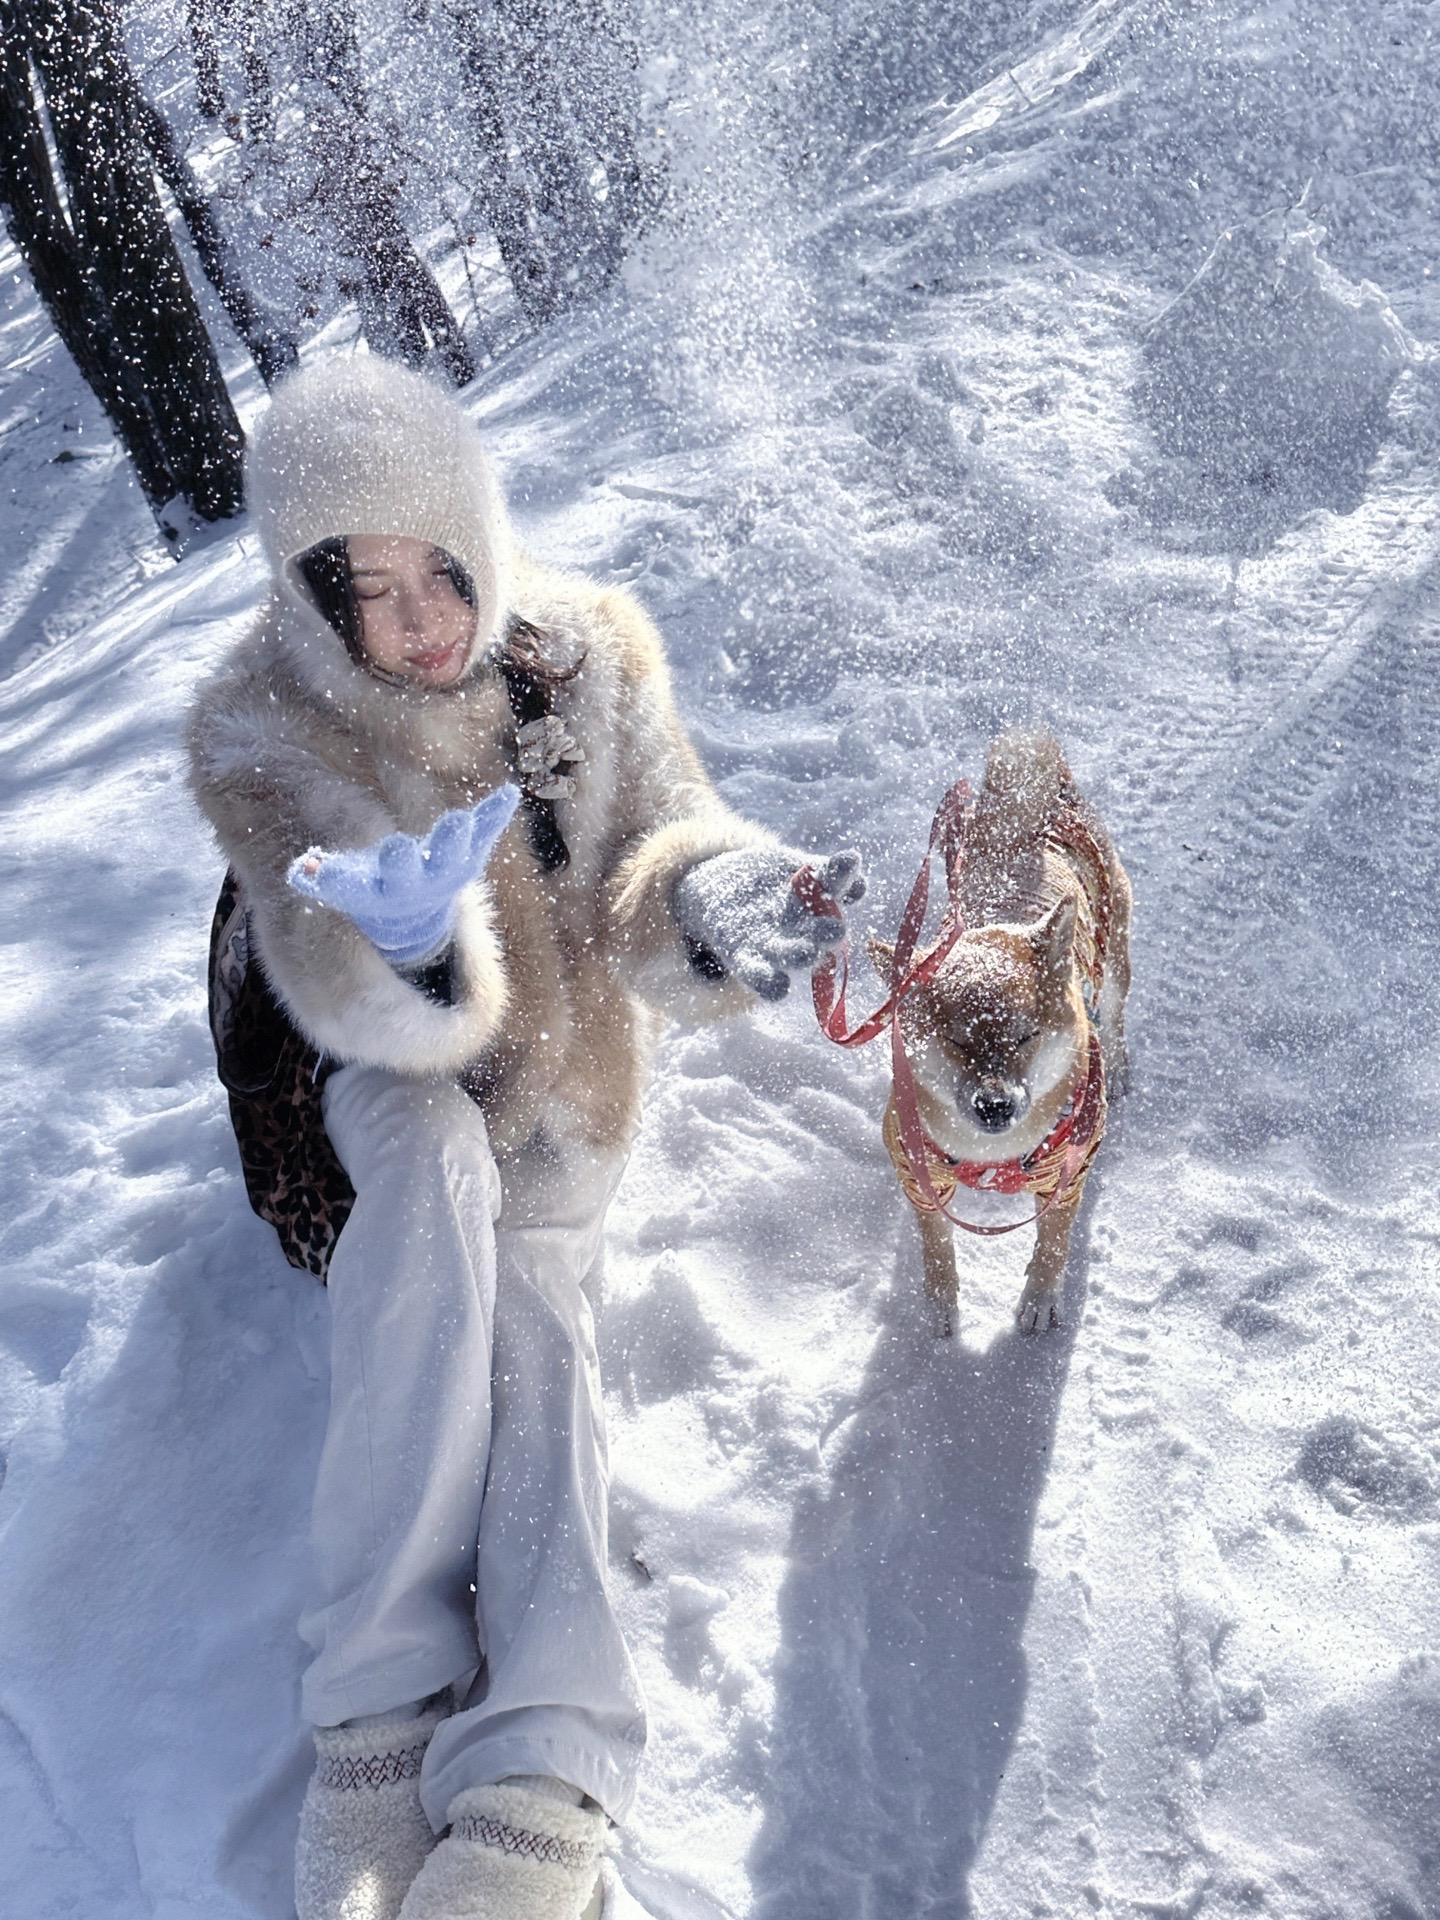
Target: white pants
459 1523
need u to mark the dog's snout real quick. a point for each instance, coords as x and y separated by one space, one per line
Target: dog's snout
994 1106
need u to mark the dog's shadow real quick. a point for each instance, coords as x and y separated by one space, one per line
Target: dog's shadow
901 1678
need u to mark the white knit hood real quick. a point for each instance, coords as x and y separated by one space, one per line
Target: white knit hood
356 444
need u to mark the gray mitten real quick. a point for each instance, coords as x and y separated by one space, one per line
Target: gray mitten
743 908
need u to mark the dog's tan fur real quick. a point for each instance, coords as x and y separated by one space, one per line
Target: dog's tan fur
1005 1011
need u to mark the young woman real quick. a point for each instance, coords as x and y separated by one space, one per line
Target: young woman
474 862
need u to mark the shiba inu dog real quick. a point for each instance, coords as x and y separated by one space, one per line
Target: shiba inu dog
1016 1035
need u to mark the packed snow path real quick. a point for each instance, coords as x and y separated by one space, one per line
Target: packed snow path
1137 1619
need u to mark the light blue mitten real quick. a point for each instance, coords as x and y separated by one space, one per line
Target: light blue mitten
401 892
743 908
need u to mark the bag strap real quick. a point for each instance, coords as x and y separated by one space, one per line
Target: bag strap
531 699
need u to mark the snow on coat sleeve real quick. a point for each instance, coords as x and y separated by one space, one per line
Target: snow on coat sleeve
270 795
669 818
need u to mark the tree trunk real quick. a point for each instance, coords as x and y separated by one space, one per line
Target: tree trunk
42 234
402 309
255 42
561 82
507 200
602 86
248 21
273 350
150 319
200 21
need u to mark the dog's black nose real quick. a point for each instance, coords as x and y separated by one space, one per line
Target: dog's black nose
993 1109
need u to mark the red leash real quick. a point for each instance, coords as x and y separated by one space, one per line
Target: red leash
947 835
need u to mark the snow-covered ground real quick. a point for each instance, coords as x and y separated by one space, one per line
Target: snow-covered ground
1139 1619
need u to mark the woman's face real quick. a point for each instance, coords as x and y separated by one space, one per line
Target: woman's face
412 620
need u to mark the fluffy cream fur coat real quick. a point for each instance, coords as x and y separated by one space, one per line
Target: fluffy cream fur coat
560 978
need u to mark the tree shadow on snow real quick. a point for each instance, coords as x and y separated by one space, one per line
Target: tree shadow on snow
154 1555
901 1678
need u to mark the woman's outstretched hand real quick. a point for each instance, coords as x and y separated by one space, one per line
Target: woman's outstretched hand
745 908
401 892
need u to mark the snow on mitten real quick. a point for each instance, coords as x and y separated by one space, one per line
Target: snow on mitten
512 1853
363 1833
743 907
401 892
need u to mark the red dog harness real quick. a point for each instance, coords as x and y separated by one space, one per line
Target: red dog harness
1050 1171
1056 1168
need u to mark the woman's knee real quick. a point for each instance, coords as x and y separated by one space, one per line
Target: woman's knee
376 1118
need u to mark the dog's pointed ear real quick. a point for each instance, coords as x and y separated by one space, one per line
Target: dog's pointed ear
882 958
1052 939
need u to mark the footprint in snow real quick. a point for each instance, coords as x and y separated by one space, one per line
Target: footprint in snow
1354 1466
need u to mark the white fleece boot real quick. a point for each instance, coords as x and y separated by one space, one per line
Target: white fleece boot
512 1853
363 1833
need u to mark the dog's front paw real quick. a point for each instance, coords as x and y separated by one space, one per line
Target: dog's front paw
1038 1310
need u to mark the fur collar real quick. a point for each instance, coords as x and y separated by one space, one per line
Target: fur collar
431 727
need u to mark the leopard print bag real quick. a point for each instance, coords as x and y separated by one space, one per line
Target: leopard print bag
274 1078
